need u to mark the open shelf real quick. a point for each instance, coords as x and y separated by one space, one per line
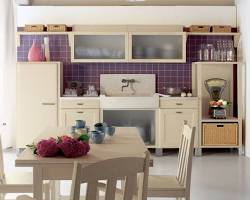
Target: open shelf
213 33
228 119
216 63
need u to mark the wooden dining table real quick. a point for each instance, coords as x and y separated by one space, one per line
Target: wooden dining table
125 142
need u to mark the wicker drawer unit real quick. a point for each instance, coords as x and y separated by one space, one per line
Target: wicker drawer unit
220 134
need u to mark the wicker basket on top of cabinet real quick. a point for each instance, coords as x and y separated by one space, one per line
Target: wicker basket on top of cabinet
220 134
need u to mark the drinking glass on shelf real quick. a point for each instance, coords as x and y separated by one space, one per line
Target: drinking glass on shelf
224 51
217 53
230 51
200 53
208 52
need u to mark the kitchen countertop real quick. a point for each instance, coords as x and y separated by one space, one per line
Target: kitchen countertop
79 98
98 98
178 98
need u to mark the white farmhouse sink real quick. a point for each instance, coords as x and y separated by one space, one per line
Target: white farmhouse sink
129 102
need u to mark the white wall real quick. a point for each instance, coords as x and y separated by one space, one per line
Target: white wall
243 10
170 15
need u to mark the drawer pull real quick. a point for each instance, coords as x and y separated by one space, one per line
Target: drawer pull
48 104
220 126
179 104
179 112
80 104
80 112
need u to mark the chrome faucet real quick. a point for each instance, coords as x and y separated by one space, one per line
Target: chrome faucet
127 81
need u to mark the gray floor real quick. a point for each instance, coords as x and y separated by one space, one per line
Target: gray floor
215 176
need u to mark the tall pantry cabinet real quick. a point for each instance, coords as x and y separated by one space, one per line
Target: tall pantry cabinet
37 99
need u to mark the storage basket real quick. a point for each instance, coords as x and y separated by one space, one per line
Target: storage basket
199 28
56 28
34 28
221 29
220 134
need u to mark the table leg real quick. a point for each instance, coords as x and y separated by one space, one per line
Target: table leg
38 183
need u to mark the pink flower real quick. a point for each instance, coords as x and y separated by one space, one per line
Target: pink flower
47 148
72 148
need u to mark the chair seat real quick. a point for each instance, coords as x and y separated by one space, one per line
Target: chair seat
164 183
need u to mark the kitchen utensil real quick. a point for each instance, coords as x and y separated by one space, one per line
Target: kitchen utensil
189 94
151 52
173 91
100 126
80 124
97 137
183 94
138 52
215 88
109 130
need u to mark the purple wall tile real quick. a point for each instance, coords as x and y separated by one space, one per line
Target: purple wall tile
167 74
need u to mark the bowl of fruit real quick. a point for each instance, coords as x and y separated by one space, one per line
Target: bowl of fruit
219 104
218 109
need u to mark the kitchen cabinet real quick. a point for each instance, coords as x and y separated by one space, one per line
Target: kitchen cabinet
99 47
72 109
171 124
128 44
173 112
69 116
37 97
157 47
232 73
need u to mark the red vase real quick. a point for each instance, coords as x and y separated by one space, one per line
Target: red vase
34 53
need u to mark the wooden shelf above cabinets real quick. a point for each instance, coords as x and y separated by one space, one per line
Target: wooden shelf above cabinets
20 33
235 35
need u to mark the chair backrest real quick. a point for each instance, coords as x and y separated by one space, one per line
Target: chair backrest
111 170
185 156
2 176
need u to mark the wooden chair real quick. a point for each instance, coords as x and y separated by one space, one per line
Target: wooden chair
16 181
110 170
176 186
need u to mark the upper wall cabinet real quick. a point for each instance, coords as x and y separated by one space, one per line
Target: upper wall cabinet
128 44
99 47
157 47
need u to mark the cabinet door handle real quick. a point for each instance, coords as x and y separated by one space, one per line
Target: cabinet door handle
80 104
80 112
220 126
48 104
179 104
179 112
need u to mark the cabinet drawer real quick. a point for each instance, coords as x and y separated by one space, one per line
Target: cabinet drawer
178 103
86 103
220 134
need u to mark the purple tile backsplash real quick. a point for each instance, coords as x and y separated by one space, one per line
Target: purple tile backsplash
167 74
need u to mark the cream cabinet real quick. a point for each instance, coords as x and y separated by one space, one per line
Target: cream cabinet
128 43
86 108
69 116
173 112
157 47
37 97
171 124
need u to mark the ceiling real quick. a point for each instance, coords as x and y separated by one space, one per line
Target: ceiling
130 2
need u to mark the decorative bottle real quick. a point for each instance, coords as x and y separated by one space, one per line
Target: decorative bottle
34 54
46 49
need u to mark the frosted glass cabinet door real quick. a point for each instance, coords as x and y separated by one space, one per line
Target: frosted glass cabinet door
161 47
103 48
